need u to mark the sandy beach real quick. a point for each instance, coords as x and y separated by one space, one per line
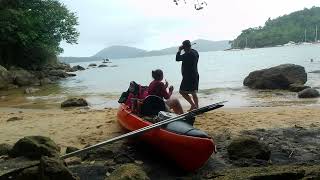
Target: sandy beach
80 127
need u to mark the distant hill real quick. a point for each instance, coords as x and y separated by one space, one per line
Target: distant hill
299 26
201 45
117 52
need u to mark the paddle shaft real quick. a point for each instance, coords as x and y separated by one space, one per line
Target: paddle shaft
147 128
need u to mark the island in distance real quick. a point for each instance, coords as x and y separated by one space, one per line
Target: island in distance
118 52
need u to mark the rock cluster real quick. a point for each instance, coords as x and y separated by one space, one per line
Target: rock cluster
78 68
38 148
286 76
18 77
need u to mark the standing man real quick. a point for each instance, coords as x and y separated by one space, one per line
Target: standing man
190 76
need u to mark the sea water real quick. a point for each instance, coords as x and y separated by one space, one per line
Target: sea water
221 76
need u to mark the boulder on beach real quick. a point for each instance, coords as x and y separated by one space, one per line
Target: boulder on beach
297 87
92 65
279 77
5 149
5 78
128 172
103 65
78 68
22 77
74 102
34 147
248 148
54 168
309 93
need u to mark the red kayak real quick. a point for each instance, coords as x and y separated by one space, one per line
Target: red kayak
190 148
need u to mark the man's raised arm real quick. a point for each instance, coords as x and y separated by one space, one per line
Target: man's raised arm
178 55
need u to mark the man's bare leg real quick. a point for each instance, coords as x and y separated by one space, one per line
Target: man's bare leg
189 99
175 105
195 99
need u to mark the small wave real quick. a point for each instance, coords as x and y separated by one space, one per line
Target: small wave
219 90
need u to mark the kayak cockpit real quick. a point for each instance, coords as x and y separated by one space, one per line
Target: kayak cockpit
183 128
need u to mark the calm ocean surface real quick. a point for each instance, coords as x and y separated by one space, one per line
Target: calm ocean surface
221 77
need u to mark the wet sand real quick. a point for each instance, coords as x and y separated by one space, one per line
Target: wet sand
80 127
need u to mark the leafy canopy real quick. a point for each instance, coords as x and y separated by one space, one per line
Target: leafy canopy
35 24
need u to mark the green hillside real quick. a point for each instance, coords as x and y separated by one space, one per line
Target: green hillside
299 26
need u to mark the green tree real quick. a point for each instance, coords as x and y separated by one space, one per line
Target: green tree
31 31
281 30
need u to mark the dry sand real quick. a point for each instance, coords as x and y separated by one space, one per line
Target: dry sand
79 127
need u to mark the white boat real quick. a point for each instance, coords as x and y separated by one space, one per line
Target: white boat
290 43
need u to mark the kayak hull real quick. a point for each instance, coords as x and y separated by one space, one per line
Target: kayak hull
190 153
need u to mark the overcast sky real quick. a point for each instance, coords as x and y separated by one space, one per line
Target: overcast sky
157 24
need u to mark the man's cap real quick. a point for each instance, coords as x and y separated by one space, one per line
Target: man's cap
186 43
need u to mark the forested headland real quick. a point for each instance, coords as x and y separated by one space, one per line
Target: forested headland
31 32
299 26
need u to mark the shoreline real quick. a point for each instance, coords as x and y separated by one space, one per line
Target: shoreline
45 99
82 126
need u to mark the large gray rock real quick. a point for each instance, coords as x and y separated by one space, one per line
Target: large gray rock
102 65
279 77
78 68
34 147
74 102
54 169
128 172
5 78
248 148
92 65
309 93
24 78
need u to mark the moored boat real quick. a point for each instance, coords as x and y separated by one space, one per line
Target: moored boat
190 148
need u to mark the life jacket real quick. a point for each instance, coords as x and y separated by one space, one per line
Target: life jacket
134 91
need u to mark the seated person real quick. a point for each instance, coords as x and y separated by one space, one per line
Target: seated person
159 88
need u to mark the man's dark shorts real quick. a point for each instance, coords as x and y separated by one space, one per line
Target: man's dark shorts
190 84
